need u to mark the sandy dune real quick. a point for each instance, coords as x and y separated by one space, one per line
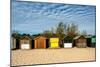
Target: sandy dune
44 56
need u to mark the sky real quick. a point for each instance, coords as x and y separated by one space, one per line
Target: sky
35 17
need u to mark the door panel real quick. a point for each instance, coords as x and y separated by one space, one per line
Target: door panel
25 46
67 45
54 45
41 43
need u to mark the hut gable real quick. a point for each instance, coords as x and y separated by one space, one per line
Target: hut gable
40 37
80 41
25 38
68 39
78 37
25 42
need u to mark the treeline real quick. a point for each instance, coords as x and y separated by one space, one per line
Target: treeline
61 30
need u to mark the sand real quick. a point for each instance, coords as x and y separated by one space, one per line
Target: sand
48 56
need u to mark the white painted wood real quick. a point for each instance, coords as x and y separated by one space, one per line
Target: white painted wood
67 45
25 46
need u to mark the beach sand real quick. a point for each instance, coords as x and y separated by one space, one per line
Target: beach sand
48 56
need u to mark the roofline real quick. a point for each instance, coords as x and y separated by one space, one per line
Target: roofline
40 36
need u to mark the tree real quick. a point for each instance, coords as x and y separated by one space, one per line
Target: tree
24 34
52 30
16 34
61 28
60 31
72 30
48 33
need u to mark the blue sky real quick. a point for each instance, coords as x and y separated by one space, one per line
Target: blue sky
35 17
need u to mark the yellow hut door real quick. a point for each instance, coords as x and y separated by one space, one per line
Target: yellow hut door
54 42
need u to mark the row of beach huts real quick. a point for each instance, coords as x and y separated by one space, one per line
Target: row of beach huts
42 42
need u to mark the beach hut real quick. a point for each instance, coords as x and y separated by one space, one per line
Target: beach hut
80 41
25 42
93 41
88 37
68 42
54 42
14 43
40 42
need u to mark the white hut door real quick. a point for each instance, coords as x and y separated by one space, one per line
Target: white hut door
25 45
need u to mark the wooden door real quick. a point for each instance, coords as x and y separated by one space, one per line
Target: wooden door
41 43
81 43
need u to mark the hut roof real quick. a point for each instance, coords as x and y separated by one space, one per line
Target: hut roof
88 36
39 37
67 37
25 37
79 37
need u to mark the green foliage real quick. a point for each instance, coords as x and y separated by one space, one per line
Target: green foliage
48 33
16 35
61 30
24 34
